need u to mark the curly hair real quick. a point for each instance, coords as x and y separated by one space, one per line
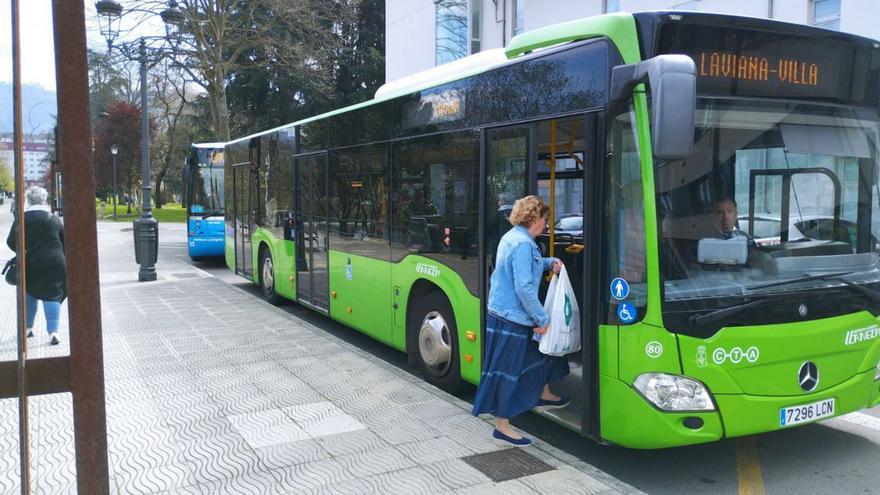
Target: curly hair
36 195
527 210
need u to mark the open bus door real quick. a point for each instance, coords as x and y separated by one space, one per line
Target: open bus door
554 159
311 232
245 198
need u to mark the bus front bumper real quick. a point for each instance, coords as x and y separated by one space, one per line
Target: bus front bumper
750 414
631 421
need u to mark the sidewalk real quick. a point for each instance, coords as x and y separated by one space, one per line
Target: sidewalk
211 390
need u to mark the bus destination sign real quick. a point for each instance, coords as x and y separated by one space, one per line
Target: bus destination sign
726 65
751 63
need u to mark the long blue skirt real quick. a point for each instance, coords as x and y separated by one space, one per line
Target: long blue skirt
514 370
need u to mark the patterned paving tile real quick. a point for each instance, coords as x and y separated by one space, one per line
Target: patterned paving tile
512 487
351 442
373 462
433 450
564 480
145 479
261 483
267 428
322 418
313 475
289 454
413 481
456 474
221 457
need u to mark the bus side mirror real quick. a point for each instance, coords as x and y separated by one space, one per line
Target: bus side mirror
672 82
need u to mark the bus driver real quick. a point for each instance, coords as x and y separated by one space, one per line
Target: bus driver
726 220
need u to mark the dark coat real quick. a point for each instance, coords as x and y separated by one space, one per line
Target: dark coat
45 269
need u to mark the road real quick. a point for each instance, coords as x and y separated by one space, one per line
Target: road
835 456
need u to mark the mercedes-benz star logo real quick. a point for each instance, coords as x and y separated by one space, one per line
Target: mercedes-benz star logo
802 310
808 376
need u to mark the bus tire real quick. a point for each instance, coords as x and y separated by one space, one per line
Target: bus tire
267 278
436 341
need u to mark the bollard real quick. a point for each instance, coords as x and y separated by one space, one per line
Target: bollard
146 247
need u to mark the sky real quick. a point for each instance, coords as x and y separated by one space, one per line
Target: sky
37 52
37 49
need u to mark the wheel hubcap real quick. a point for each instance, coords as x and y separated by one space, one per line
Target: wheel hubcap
268 275
435 343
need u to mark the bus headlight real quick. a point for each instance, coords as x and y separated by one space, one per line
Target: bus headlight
877 373
674 393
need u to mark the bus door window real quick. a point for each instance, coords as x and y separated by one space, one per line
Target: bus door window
561 148
507 179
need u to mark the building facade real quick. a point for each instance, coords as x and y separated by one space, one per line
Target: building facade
37 150
421 34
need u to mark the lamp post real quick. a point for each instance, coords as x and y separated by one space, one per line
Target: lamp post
113 151
146 228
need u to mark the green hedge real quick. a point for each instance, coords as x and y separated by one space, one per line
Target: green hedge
169 213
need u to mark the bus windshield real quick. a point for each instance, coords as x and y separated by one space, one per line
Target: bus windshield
206 186
778 201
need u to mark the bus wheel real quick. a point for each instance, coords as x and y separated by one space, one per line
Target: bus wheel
438 342
267 278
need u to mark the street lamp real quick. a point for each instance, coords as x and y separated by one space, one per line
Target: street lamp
113 151
146 228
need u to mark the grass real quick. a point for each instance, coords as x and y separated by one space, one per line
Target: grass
169 213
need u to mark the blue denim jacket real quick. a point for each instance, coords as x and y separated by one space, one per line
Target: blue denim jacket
514 284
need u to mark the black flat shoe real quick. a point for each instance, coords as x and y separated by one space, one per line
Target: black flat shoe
552 404
519 442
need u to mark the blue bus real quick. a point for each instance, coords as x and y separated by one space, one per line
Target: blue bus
203 199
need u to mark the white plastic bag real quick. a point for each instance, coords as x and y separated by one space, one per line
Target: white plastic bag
564 333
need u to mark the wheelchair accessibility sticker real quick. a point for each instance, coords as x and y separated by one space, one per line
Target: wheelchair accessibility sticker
626 313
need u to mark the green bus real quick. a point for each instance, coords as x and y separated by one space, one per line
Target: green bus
714 186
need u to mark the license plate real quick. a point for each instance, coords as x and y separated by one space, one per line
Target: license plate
789 416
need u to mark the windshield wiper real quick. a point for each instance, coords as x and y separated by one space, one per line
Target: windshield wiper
837 277
869 293
806 278
720 314
215 212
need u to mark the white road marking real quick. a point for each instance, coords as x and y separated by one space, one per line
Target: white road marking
862 419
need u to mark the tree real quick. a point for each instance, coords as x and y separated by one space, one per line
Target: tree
360 63
265 94
171 143
110 79
218 38
7 182
121 126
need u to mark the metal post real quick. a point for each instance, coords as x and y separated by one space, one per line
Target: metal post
145 131
20 252
86 368
146 228
114 186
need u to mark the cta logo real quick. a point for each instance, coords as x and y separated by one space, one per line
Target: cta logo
862 335
736 355
429 270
